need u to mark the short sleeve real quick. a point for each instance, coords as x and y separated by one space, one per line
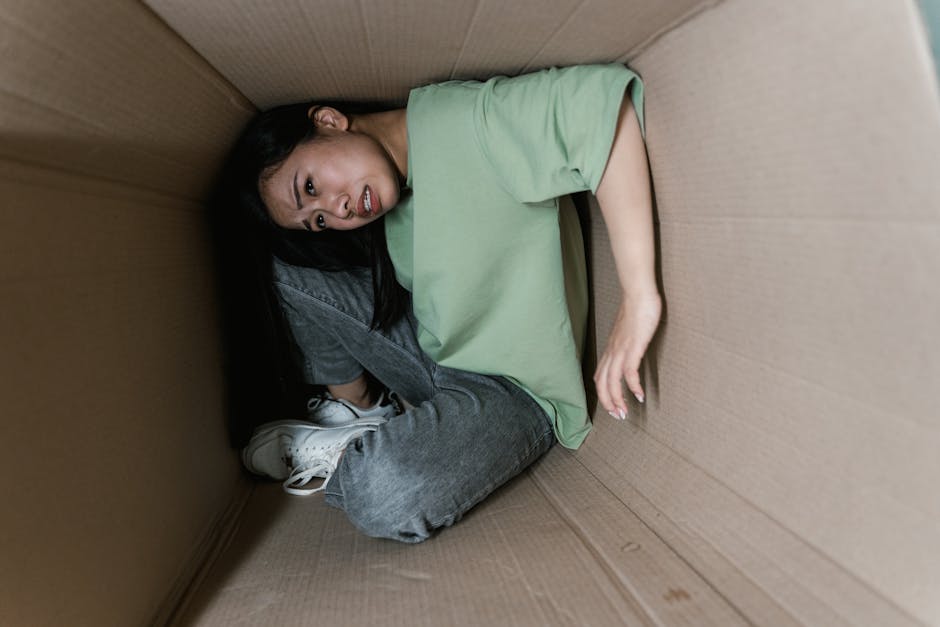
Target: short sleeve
549 133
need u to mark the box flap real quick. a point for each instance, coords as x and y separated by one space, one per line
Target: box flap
283 52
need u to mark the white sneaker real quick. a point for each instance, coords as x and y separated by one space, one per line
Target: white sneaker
327 411
297 452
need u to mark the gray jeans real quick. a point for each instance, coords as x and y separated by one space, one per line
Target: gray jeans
466 435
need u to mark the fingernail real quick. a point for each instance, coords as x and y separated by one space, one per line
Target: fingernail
639 397
613 415
623 413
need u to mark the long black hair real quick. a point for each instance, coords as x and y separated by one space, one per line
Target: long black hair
263 376
263 146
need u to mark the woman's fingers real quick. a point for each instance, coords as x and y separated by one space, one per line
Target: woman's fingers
615 385
600 384
631 371
616 367
626 370
632 378
632 332
608 383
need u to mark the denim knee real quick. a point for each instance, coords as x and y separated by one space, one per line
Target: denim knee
424 468
386 497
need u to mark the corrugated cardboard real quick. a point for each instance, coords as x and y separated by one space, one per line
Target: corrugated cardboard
523 557
116 472
795 172
107 90
372 50
782 471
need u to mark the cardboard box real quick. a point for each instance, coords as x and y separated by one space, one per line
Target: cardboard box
784 469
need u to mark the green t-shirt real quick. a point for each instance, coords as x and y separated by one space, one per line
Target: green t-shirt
497 272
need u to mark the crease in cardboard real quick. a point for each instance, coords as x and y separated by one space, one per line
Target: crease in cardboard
58 166
211 545
721 344
201 66
794 536
318 42
627 592
686 527
541 598
28 173
527 66
690 537
115 91
863 412
691 14
86 131
370 53
466 38
61 112
788 608
809 591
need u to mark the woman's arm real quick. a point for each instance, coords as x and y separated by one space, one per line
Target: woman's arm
626 203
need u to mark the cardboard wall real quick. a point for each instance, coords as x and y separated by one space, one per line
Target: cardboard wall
289 51
790 436
115 463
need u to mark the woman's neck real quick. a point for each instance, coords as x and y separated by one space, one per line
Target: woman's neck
390 129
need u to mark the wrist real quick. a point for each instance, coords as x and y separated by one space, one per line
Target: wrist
643 289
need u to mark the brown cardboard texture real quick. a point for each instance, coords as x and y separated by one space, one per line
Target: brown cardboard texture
783 470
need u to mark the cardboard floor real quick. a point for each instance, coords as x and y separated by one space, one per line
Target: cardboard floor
528 555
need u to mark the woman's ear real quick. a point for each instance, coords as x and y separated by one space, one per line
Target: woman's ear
327 117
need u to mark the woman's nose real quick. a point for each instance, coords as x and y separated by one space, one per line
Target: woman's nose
338 205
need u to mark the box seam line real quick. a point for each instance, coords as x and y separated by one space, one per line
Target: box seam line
609 569
686 16
210 73
207 552
755 508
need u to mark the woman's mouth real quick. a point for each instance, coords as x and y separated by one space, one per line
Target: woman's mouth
368 204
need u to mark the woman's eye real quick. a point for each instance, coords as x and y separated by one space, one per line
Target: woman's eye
321 222
308 187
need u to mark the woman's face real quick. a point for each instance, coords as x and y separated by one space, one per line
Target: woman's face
341 180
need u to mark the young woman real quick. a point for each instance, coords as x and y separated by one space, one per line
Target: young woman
425 246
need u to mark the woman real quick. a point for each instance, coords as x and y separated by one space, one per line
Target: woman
453 199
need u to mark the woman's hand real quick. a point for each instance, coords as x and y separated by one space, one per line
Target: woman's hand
636 322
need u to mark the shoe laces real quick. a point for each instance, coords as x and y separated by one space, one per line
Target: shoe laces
308 462
304 475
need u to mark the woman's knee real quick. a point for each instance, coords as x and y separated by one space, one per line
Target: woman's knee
427 467
348 292
388 496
